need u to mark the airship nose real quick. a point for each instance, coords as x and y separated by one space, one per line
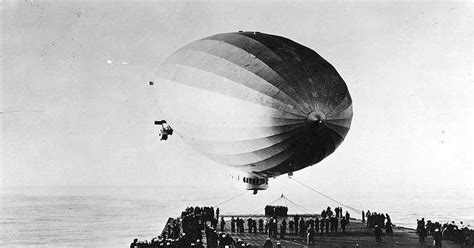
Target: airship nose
317 116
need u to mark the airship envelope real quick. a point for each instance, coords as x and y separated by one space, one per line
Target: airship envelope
257 102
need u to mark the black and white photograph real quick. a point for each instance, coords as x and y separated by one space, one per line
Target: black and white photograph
231 124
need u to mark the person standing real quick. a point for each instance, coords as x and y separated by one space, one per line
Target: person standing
296 219
421 233
310 235
232 224
323 221
282 229
378 233
437 237
316 225
343 224
222 224
363 216
389 228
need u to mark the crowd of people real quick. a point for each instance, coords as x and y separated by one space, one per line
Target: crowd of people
276 211
183 232
305 227
378 221
448 231
187 230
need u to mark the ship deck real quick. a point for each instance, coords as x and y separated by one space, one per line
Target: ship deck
357 235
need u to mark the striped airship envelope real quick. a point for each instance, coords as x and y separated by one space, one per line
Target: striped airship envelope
257 102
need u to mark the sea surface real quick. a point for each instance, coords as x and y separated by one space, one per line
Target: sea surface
110 216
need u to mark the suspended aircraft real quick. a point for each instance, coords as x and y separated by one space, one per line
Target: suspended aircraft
259 103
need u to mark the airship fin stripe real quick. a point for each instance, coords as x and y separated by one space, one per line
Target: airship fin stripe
336 109
200 105
324 81
269 56
341 122
341 114
249 62
242 146
253 157
340 130
217 84
226 69
290 67
228 134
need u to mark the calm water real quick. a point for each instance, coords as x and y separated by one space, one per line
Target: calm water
113 216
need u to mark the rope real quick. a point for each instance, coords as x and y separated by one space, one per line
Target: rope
230 199
298 206
259 208
286 203
357 211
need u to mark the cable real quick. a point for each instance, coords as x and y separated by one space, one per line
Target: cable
259 208
299 206
230 199
334 200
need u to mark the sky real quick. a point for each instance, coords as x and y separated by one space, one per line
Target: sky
76 108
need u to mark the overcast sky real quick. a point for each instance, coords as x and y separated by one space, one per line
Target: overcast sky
77 108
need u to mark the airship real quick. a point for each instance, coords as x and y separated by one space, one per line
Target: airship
259 103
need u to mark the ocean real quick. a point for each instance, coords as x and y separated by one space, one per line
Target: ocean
109 216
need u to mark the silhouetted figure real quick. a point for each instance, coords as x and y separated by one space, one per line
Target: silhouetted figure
239 243
348 217
327 225
296 219
323 222
217 213
222 224
363 216
283 229
260 225
421 233
249 224
291 226
437 237
316 225
329 212
343 224
378 233
232 224
267 226
389 228
302 228
134 244
310 235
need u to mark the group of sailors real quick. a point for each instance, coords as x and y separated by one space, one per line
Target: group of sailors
378 221
298 225
276 211
217 239
448 231
183 232
187 231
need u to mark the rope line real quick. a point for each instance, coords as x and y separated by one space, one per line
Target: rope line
357 211
298 206
259 208
230 199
